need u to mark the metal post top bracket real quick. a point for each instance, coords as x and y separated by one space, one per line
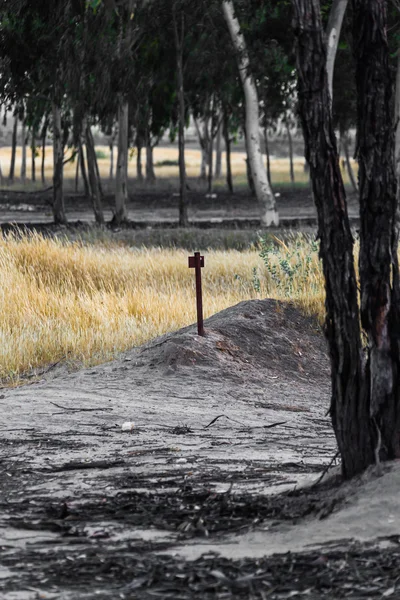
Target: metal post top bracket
196 260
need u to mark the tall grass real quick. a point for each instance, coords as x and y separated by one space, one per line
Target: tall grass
62 300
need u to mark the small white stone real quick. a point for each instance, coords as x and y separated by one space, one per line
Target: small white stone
128 426
181 461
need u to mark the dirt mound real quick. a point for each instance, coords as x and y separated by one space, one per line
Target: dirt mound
253 335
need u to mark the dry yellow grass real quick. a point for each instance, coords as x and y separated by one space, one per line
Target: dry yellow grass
87 303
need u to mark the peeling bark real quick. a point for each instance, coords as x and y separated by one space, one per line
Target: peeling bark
333 30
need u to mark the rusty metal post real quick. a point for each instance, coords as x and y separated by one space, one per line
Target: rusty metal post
196 262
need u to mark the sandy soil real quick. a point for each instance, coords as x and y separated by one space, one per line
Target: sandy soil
225 431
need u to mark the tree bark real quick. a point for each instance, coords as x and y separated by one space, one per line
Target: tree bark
397 121
13 149
333 30
349 405
378 263
179 36
111 146
23 159
77 173
58 168
265 197
94 188
227 139
203 148
121 178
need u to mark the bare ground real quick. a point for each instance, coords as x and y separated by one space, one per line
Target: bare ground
202 497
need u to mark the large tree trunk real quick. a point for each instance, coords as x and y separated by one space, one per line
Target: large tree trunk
121 179
179 36
203 148
23 145
58 168
333 30
397 121
379 269
227 139
265 197
94 188
111 146
349 406
13 148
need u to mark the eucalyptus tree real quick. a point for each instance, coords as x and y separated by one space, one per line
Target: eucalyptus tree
365 382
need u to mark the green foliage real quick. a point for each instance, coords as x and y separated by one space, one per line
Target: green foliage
167 163
101 154
287 264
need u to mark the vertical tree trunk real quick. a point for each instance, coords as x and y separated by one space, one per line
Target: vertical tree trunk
227 139
378 263
203 148
150 174
139 170
77 173
111 146
349 406
33 153
267 154
96 164
94 189
290 142
44 133
397 121
121 178
83 169
265 197
23 145
348 163
183 217
333 30
58 168
218 153
13 149
211 153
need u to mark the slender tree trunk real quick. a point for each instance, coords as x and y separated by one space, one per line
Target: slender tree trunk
121 178
265 197
378 262
83 169
44 133
349 406
290 142
183 217
111 146
267 154
139 170
95 195
211 155
33 153
333 30
23 144
218 153
13 149
203 148
348 163
77 173
1 175
150 174
58 168
227 139
96 164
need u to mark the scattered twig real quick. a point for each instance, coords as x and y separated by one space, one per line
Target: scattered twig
219 416
274 424
324 472
80 409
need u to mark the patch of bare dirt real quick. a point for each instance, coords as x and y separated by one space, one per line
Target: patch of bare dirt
220 426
